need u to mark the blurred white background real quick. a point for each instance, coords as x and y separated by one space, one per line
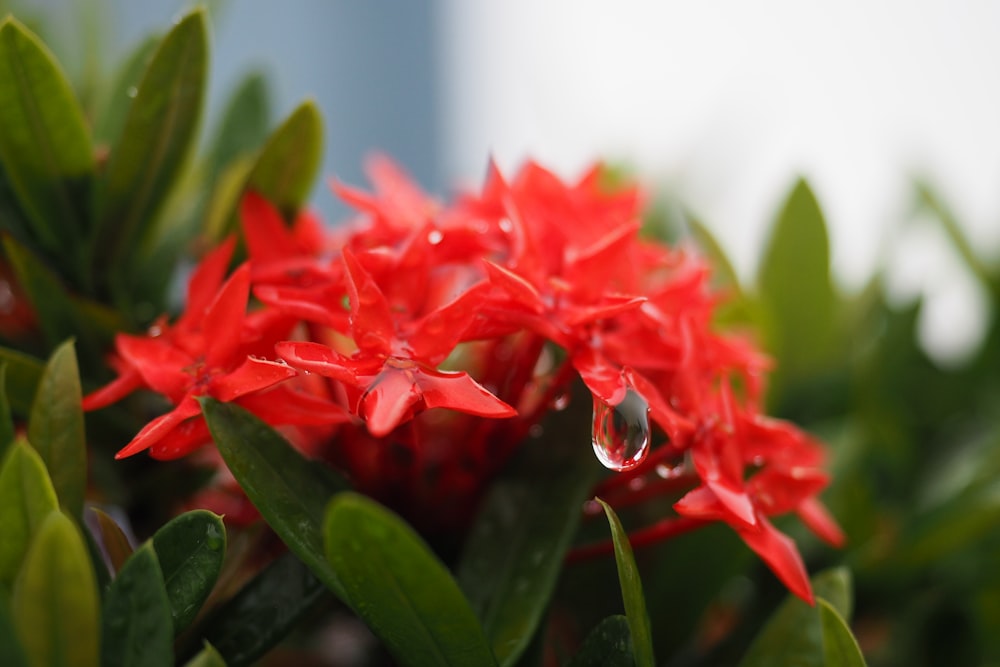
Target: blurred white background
721 103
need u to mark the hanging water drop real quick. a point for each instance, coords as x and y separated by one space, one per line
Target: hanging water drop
621 432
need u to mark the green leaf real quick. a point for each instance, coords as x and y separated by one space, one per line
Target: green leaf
45 291
244 123
515 550
220 212
207 657
391 579
110 119
11 653
287 165
288 490
154 142
632 595
608 645
21 378
190 550
794 635
135 625
7 431
839 646
264 610
55 428
796 291
113 540
26 498
55 602
45 145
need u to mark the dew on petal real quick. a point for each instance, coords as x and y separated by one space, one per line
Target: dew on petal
620 434
561 401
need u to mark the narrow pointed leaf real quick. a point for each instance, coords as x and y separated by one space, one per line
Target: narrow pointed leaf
207 657
55 602
264 610
21 379
608 645
632 595
514 553
288 490
112 540
155 140
794 634
287 165
55 428
795 287
7 432
26 499
135 622
45 290
244 123
839 646
400 588
45 145
110 119
190 550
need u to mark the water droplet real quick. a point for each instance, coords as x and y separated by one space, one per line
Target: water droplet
506 225
536 431
592 507
132 91
621 432
435 236
669 472
561 401
637 484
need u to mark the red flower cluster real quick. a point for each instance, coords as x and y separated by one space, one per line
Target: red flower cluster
488 307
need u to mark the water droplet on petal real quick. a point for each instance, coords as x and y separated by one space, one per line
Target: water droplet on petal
669 472
561 401
621 432
435 236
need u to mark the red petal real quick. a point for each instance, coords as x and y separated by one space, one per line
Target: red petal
268 238
517 287
114 391
458 391
437 333
309 304
781 555
814 514
252 375
317 358
160 364
389 402
162 427
205 282
283 405
223 321
603 378
187 437
371 320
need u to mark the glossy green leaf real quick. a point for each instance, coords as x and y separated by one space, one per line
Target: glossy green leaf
135 621
55 602
632 595
45 145
21 378
55 428
244 123
158 133
290 491
794 634
26 499
207 657
515 550
264 610
220 212
7 431
390 577
795 287
110 119
608 645
190 550
112 539
287 165
839 645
